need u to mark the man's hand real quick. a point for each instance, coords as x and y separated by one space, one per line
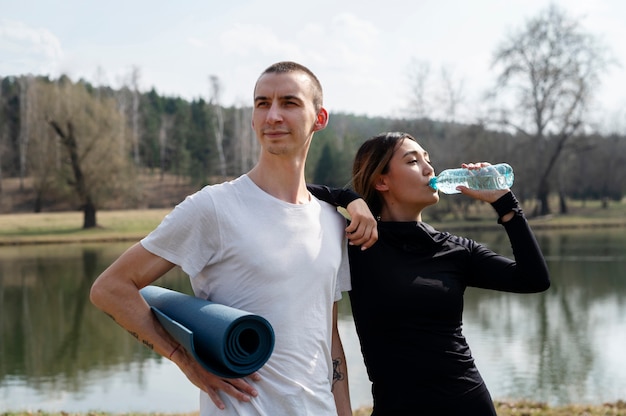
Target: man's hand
238 388
362 230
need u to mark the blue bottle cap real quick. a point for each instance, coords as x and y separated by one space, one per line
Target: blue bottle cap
433 183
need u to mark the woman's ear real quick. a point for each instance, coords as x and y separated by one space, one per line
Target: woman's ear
381 183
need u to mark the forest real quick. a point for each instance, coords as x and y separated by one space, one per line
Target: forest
68 140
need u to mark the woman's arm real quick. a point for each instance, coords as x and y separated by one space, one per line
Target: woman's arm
362 229
529 272
339 197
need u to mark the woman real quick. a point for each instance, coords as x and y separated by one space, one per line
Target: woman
407 289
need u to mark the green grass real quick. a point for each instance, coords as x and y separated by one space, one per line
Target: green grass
520 408
132 225
60 227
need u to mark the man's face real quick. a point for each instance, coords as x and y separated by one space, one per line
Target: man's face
284 117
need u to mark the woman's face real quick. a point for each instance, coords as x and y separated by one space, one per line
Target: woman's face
404 187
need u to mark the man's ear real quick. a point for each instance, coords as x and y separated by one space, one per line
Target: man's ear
322 120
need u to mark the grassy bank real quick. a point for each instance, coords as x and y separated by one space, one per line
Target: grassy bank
131 225
503 409
64 227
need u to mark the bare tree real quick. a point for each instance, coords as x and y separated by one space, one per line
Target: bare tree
248 144
218 125
451 94
128 100
88 129
43 156
134 119
419 74
167 121
547 74
27 102
3 134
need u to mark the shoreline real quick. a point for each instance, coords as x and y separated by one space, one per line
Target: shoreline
133 225
503 408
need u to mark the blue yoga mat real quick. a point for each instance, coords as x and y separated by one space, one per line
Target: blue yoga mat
226 341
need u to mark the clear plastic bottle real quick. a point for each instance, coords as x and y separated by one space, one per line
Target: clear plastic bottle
498 176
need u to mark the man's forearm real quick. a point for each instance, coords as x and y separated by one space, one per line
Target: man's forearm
340 386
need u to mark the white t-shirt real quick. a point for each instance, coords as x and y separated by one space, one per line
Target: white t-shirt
285 262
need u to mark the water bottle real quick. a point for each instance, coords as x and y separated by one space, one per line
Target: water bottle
498 176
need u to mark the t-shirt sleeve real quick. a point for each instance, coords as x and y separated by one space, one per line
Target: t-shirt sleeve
343 276
188 235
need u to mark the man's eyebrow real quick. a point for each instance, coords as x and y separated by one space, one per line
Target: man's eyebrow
288 97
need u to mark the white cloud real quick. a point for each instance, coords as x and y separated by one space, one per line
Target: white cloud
362 54
195 42
17 37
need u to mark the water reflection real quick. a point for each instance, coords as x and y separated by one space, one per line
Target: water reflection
57 352
559 346
55 347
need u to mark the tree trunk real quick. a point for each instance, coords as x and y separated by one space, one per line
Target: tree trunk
543 205
38 203
89 214
605 202
562 203
80 186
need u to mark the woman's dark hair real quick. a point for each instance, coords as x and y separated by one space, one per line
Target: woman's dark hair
371 160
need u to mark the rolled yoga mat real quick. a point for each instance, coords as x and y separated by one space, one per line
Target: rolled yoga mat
226 341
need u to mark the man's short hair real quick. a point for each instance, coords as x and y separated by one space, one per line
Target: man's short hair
289 66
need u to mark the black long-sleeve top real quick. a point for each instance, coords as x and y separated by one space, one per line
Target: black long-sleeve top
407 303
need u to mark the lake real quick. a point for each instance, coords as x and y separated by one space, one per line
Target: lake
57 352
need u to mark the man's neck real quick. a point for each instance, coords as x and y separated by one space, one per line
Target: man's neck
281 179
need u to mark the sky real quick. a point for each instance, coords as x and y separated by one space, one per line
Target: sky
364 53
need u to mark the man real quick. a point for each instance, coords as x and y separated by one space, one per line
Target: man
263 244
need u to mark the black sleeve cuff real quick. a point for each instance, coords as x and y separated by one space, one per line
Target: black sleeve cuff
344 196
505 204
339 197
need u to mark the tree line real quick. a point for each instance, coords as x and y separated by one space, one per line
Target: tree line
88 144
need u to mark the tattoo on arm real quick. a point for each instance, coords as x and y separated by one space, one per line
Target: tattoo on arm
338 375
143 341
136 336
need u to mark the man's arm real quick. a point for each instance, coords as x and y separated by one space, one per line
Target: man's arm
116 292
340 386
